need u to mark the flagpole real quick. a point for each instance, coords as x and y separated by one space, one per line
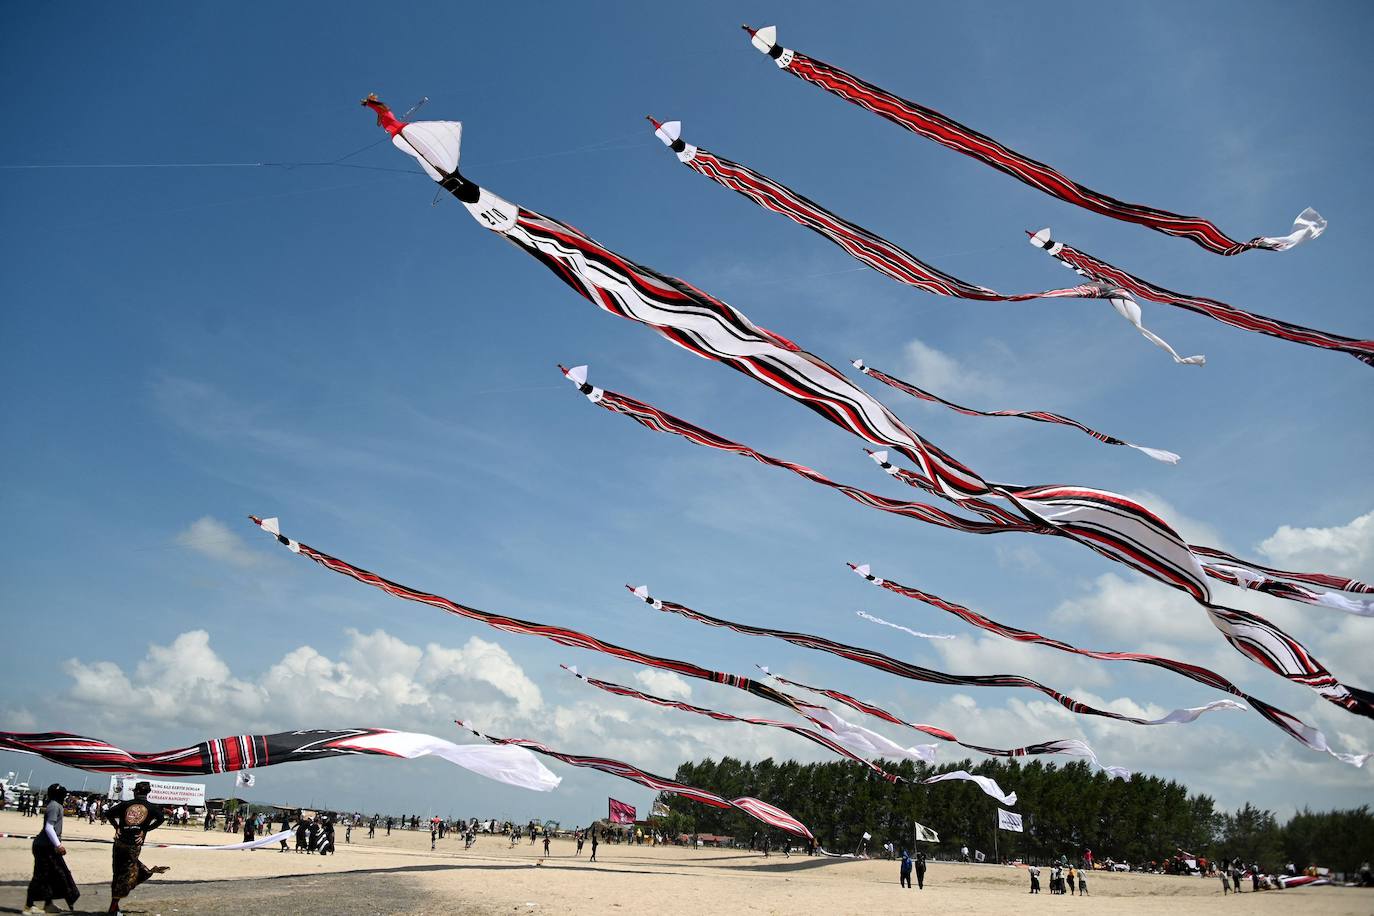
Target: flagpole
996 829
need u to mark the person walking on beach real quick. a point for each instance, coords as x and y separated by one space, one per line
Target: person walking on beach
581 837
546 842
132 821
51 877
594 842
1034 871
906 870
1083 883
372 828
920 871
1069 879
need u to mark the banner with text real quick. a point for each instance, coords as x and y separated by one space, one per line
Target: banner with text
191 794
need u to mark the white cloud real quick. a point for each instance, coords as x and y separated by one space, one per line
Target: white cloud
936 370
664 683
212 538
1133 612
1347 548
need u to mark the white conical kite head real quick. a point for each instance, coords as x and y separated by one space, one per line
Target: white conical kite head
1043 239
858 364
271 526
863 570
879 457
641 592
669 132
434 144
578 374
765 38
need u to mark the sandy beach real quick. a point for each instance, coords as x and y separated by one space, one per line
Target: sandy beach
399 874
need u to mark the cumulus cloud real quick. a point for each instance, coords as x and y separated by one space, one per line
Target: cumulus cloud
1347 548
664 683
942 373
212 538
1132 612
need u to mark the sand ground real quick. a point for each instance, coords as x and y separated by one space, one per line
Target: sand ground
399 874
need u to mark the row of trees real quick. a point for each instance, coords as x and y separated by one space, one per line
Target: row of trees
1065 809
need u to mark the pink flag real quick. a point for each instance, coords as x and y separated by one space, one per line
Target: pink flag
621 813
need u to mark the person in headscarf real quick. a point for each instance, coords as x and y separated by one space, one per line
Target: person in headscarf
51 877
132 820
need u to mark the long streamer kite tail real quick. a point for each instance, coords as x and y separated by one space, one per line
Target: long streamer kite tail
1039 416
1244 631
1100 271
865 246
932 125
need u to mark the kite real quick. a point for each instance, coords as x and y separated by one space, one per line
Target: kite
1252 635
863 245
1291 724
759 810
1111 524
1039 416
949 133
925 753
839 730
245 752
1215 563
1073 747
881 662
1101 271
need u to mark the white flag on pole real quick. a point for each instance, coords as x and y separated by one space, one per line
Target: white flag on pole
978 855
925 834
867 836
1006 820
244 780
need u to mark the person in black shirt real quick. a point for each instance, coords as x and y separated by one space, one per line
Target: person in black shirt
132 820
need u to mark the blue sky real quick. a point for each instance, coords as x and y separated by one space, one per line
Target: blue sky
184 346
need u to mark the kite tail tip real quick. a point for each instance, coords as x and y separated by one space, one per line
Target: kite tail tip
654 121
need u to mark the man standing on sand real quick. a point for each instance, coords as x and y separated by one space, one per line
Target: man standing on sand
906 870
132 820
1034 872
920 871
594 843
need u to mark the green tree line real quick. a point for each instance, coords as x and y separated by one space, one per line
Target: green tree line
1066 810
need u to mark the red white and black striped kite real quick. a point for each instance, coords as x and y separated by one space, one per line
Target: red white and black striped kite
246 752
949 133
1108 523
1290 724
926 753
759 810
1040 416
856 739
882 662
865 246
1074 747
1101 271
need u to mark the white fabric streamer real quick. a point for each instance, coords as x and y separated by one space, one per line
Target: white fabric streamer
988 785
265 841
867 743
898 626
